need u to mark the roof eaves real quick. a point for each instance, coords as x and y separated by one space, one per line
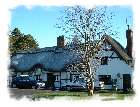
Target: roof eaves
117 47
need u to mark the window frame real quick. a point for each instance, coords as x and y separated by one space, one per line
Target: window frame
104 60
106 79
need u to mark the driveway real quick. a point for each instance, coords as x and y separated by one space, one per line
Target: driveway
20 93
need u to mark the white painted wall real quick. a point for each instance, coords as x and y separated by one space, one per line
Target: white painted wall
115 66
44 76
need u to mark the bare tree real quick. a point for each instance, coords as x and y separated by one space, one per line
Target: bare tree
87 27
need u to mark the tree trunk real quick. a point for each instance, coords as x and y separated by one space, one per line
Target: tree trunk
90 82
90 87
88 67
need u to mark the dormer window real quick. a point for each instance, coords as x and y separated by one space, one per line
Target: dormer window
104 61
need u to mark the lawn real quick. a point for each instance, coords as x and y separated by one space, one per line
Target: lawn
104 96
54 94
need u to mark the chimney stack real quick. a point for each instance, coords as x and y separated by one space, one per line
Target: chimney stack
60 42
129 36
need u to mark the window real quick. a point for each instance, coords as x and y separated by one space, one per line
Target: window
104 61
37 77
38 73
70 77
106 79
74 78
56 77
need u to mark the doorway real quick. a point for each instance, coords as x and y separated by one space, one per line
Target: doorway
126 82
50 80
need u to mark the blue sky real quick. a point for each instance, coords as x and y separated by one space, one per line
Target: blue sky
40 22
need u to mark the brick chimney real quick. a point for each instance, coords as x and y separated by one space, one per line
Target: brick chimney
60 42
129 36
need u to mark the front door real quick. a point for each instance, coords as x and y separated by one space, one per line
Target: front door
126 82
50 80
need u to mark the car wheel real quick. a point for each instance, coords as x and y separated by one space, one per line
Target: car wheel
36 87
14 86
33 87
68 88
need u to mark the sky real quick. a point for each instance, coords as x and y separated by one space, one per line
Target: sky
40 22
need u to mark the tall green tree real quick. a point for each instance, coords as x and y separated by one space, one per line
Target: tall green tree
21 42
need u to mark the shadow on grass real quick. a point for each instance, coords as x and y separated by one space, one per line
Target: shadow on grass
102 95
115 95
53 95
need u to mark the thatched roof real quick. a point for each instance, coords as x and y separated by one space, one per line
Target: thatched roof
118 48
54 59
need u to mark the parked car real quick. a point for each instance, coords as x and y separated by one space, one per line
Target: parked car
74 86
40 84
24 81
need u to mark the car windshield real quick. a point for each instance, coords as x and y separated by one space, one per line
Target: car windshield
31 78
25 78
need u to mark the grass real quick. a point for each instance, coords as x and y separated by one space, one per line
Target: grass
103 95
52 95
115 95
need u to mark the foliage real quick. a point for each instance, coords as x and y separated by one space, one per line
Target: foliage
87 27
21 42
